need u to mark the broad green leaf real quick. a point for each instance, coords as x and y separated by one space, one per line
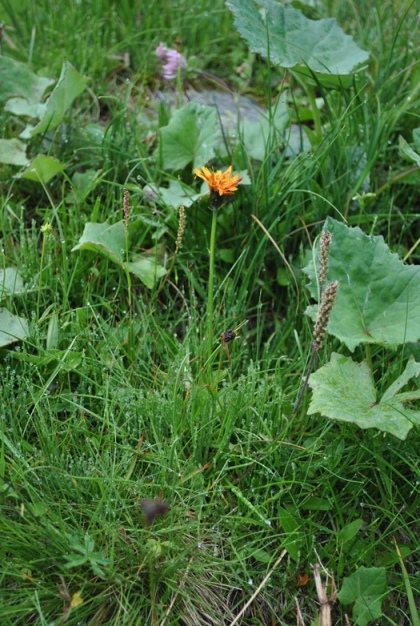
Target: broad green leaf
407 151
53 333
416 139
69 86
147 270
16 79
389 557
343 390
177 194
378 298
289 39
189 137
42 169
21 106
83 183
367 589
412 370
349 531
13 152
293 539
316 504
11 282
12 328
249 551
110 241
262 556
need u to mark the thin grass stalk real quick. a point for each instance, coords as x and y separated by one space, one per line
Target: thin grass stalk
210 292
415 617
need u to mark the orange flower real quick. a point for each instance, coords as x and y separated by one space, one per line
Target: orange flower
219 182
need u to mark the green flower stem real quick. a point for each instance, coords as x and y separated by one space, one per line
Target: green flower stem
45 233
131 342
312 101
211 285
128 275
315 112
368 354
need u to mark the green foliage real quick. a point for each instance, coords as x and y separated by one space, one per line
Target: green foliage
111 241
344 390
12 327
288 38
189 137
349 531
414 613
378 298
259 138
111 398
293 540
83 553
11 282
42 169
376 303
176 194
69 86
28 91
18 80
407 151
13 152
367 589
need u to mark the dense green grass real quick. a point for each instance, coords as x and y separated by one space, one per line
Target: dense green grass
112 400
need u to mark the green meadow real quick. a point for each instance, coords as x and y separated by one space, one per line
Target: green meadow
209 378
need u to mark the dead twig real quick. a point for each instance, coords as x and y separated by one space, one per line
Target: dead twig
257 591
299 621
325 601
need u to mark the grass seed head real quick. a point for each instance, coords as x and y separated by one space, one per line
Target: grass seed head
181 228
324 246
324 314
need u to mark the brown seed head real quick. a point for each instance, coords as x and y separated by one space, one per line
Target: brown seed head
181 228
324 245
324 314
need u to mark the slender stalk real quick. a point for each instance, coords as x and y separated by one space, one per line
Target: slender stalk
64 268
315 111
45 230
415 617
129 286
126 216
304 385
368 354
130 311
211 284
396 178
312 101
221 184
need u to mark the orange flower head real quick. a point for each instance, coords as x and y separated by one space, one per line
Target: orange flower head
219 182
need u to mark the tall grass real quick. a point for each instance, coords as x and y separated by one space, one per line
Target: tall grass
109 402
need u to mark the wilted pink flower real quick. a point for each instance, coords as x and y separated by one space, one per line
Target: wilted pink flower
150 192
172 59
161 51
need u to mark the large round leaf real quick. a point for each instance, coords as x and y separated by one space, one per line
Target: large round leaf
287 38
